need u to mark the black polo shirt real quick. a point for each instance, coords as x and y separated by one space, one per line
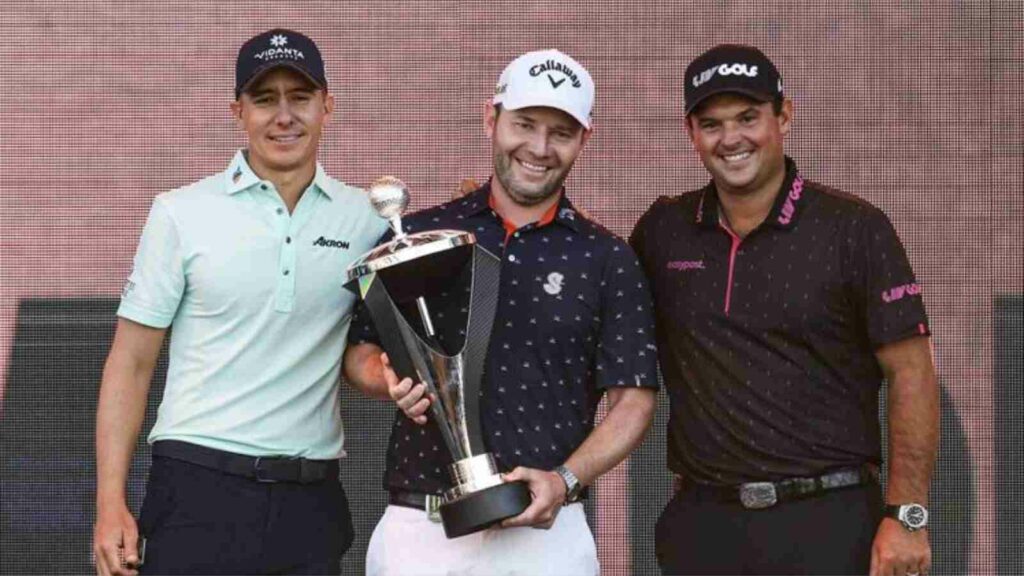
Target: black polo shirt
767 344
573 319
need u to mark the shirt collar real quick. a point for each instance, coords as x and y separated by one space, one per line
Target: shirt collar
788 205
239 176
479 201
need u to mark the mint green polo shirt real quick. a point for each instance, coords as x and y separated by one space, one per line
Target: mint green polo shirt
257 308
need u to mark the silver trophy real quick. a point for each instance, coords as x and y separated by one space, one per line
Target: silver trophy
395 280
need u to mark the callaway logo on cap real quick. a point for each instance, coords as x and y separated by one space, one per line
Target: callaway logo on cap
547 78
278 47
731 68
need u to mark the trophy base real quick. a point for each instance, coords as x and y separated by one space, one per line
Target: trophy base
482 509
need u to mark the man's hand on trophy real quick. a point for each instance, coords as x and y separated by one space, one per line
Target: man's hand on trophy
548 491
411 400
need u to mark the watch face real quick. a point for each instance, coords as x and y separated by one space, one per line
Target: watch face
915 516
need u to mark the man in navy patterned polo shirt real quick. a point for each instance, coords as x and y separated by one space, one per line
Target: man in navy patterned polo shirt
781 306
573 324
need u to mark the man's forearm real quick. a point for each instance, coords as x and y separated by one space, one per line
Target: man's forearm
913 415
629 416
365 371
122 405
119 416
913 437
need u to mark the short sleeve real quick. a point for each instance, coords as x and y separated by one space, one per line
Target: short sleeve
157 282
626 353
885 287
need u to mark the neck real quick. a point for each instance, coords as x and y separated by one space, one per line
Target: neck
290 184
745 211
519 214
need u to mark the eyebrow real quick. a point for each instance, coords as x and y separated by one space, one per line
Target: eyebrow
702 116
263 91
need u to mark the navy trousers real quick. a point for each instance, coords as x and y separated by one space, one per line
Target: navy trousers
830 533
199 520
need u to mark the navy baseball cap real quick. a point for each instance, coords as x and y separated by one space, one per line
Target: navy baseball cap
274 48
731 68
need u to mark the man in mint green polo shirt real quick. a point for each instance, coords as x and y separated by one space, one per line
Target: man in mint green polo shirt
247 266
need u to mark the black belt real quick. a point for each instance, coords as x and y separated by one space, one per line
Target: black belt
429 503
756 495
259 468
415 500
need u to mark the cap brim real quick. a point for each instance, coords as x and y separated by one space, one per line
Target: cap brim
273 66
759 96
541 102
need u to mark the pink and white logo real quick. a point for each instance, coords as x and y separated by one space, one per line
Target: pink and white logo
898 292
789 207
686 265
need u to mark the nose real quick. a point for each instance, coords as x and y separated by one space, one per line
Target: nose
284 113
538 144
731 135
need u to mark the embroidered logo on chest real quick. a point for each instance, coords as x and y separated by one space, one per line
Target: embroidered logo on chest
554 284
686 265
329 243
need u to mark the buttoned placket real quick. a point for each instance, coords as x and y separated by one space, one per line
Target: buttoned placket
287 227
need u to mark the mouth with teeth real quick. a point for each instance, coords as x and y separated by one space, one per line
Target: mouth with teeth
285 138
737 157
532 168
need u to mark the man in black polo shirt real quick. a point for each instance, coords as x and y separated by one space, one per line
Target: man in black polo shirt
781 305
573 324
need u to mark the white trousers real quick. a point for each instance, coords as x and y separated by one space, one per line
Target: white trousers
405 542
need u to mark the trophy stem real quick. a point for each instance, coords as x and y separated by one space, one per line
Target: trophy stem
396 226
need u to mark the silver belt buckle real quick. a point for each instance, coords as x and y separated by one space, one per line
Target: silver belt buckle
432 503
757 495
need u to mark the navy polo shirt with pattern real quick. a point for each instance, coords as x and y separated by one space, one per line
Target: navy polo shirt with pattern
573 320
767 343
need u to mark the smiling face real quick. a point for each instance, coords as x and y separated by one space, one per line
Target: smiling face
739 140
534 149
283 113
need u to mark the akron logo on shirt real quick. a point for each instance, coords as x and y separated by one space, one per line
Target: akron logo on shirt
328 243
724 70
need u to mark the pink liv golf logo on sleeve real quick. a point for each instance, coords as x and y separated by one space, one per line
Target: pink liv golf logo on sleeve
898 292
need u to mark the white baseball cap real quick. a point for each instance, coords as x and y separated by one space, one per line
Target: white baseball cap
547 78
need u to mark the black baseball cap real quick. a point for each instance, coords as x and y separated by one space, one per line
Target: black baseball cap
274 48
731 68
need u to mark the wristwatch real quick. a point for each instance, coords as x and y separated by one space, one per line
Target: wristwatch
913 516
573 488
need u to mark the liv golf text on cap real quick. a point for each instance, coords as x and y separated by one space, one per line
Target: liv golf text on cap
731 68
547 78
278 47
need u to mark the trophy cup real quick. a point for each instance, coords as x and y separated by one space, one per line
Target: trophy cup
395 280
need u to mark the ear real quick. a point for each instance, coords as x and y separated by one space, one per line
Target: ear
786 116
689 130
490 118
328 107
587 133
236 112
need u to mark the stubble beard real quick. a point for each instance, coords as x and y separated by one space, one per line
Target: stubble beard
522 197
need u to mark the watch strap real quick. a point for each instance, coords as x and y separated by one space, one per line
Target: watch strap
573 488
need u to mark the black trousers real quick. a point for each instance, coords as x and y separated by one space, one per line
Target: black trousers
198 520
830 533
